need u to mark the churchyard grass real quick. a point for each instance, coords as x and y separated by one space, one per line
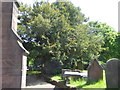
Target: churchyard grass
82 83
33 72
57 77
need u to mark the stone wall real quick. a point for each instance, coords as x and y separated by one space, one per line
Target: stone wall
12 51
0 44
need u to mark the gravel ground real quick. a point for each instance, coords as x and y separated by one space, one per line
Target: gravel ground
47 85
35 82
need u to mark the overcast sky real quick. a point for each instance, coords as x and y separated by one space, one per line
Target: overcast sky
105 11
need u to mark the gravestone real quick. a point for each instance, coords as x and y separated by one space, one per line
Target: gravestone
113 73
14 60
95 71
52 67
79 65
63 71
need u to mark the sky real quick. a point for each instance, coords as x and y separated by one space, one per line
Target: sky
105 11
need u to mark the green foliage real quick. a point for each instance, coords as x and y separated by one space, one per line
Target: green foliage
57 77
99 84
111 39
33 72
56 32
117 45
82 83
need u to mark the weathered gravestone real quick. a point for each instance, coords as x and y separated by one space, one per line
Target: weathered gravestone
52 67
63 71
95 71
79 65
113 73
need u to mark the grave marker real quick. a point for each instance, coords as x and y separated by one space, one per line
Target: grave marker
113 73
95 71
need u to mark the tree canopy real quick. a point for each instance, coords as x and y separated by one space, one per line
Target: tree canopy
56 32
111 40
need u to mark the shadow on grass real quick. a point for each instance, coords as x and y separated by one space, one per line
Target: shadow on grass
62 82
86 84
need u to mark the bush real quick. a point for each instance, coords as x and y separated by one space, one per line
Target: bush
52 68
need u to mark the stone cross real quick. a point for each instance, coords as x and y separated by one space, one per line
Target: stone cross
112 73
95 71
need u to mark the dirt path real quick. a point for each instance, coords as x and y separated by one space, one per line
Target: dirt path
35 82
47 85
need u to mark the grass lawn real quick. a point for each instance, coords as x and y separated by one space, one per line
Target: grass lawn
81 83
33 72
57 77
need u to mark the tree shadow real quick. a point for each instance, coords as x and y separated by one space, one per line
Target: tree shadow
86 84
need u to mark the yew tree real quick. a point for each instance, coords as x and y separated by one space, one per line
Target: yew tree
56 31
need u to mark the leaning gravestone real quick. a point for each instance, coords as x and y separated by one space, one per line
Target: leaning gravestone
113 73
95 71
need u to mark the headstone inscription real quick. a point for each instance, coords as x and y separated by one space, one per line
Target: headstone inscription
95 71
112 73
